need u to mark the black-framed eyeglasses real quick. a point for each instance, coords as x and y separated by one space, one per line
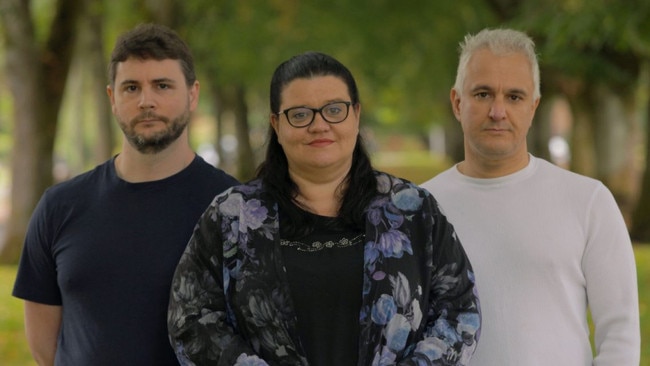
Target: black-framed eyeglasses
300 117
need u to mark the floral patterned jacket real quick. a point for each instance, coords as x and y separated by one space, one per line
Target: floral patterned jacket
230 302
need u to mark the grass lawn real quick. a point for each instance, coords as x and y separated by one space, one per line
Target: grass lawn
13 347
14 352
642 254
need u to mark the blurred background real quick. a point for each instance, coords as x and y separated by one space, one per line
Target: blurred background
55 119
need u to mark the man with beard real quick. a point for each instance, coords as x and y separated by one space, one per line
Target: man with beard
101 248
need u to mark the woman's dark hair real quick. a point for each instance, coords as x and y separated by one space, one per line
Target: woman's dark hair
152 41
359 186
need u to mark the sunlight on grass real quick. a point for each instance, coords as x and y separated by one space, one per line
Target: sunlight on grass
13 347
642 256
418 166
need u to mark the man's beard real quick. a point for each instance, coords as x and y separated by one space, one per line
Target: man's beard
158 141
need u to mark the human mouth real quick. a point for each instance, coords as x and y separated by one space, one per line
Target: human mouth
149 118
320 142
496 129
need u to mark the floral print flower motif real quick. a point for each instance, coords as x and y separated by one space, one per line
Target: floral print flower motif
384 183
405 300
385 357
383 309
397 332
246 360
432 348
394 217
401 290
251 213
398 323
391 314
262 316
393 244
407 199
468 325
445 282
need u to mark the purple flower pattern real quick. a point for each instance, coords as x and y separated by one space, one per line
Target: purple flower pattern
230 302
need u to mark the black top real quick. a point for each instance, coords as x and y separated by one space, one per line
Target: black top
325 273
106 249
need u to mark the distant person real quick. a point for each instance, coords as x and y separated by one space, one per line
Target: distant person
322 260
546 244
101 248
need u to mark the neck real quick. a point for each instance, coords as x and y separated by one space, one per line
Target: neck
135 167
319 193
493 168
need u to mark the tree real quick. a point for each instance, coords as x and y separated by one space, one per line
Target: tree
402 60
36 72
592 52
602 46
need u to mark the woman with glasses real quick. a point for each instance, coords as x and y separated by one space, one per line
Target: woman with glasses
322 260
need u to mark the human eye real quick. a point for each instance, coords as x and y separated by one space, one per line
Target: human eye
129 88
165 84
515 97
333 109
481 95
299 114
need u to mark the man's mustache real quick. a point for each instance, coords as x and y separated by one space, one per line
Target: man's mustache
147 116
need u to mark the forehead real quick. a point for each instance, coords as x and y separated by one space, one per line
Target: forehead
136 69
314 90
512 70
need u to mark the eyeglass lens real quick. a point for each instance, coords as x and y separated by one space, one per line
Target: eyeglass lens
332 113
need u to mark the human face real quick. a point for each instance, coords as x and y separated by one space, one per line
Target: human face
321 144
495 109
152 102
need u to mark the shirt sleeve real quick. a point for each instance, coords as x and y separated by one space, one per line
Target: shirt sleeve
36 279
610 274
454 321
201 327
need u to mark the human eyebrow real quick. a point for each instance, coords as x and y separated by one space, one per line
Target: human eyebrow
129 82
521 93
480 89
163 81
129 85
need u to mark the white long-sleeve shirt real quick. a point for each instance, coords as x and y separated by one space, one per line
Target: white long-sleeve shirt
545 244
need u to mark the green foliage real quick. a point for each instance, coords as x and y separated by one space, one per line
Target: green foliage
596 40
401 54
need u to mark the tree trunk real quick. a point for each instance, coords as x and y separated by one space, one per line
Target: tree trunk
454 140
582 138
640 230
231 106
616 142
540 131
36 80
245 157
105 139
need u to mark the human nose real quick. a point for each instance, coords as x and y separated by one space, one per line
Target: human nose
147 100
498 109
319 123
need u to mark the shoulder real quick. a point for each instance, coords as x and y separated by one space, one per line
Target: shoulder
81 183
441 178
238 195
211 174
560 177
59 198
402 193
387 183
246 203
